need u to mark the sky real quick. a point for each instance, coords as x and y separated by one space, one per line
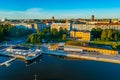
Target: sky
67 9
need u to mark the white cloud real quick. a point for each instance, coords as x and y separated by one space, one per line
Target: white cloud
34 10
39 13
29 14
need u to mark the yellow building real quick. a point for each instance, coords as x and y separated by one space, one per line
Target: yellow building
53 46
101 50
81 35
93 49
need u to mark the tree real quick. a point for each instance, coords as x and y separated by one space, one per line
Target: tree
46 30
64 37
65 31
104 35
115 37
61 32
119 36
39 39
96 32
1 35
109 32
55 32
93 31
40 33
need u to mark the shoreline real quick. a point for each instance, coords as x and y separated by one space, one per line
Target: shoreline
100 58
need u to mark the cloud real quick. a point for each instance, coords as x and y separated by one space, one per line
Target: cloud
27 14
40 13
34 10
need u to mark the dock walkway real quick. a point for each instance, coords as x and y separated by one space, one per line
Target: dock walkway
6 63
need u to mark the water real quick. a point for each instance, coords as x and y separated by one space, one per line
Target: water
54 68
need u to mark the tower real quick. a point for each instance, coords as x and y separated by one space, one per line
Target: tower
92 18
52 19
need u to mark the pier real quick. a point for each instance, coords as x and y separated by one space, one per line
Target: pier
6 63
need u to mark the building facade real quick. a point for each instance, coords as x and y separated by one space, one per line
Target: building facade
81 35
92 50
40 26
92 18
89 27
58 25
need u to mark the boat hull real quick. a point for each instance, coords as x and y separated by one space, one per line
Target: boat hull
33 58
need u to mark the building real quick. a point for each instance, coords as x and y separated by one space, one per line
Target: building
91 50
115 21
98 23
4 19
35 26
61 46
39 26
57 26
17 48
80 35
92 18
82 27
53 46
89 27
53 19
23 25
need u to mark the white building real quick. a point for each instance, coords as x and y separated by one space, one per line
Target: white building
58 25
4 19
82 27
39 26
97 25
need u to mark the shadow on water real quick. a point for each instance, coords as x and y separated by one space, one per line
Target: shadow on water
66 58
28 63
34 61
60 68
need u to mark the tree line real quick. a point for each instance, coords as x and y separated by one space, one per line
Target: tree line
105 35
8 31
48 35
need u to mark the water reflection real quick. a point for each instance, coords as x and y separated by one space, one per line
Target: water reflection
32 62
66 58
60 68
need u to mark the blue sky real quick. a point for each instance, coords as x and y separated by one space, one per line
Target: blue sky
44 9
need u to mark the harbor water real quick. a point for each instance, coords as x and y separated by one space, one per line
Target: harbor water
50 67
